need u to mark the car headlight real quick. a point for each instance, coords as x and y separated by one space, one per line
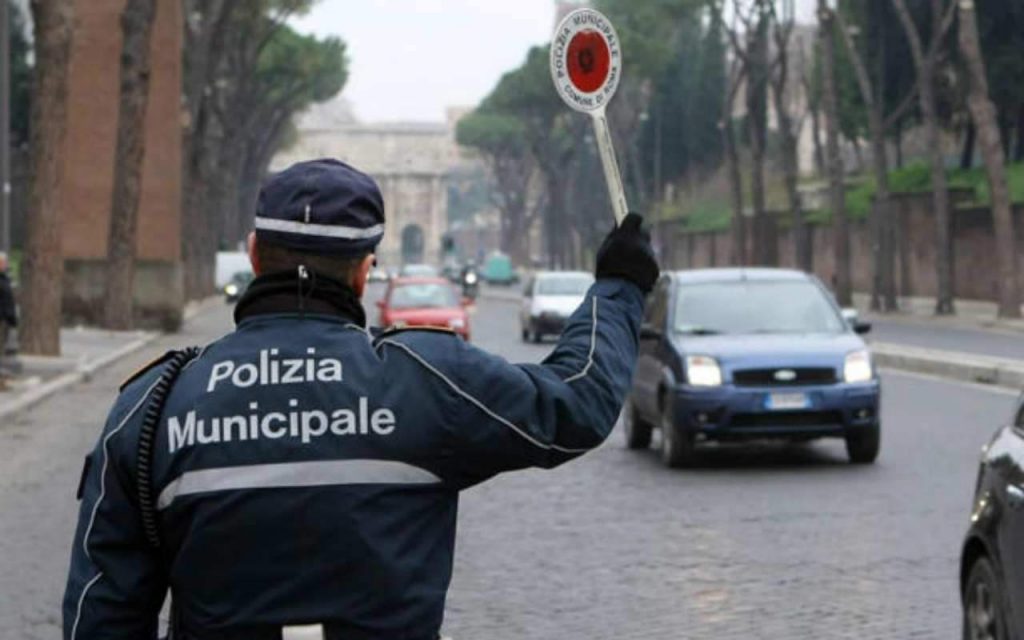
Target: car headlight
457 323
857 367
471 278
231 289
703 371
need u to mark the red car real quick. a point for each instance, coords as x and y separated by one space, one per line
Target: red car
424 302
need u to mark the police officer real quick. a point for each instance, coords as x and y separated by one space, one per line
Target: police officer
304 473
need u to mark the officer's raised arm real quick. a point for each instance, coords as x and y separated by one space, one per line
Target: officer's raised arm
514 416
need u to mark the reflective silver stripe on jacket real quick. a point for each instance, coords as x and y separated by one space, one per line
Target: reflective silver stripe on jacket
294 474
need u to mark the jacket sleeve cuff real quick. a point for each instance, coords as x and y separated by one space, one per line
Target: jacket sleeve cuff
618 288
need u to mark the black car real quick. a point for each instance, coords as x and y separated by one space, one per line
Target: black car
750 354
992 561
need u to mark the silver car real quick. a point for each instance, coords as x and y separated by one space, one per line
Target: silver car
549 299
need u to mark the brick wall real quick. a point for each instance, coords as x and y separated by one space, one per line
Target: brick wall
89 163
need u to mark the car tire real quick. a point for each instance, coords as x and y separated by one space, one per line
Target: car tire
678 447
983 612
863 444
638 432
525 334
535 334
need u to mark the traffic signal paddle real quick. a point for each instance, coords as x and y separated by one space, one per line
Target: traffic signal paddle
586 65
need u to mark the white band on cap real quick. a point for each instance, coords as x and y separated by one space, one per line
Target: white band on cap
320 230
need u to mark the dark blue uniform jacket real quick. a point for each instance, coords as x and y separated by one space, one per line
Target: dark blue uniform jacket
309 472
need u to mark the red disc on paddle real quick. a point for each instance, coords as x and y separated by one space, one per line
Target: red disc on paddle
588 61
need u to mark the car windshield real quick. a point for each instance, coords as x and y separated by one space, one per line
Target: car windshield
429 294
418 270
755 307
563 285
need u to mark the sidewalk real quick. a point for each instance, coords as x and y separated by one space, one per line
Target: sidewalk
970 314
84 351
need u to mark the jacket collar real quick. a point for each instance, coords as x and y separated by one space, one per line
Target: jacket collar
301 293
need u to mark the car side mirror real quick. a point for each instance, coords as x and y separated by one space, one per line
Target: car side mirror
852 319
649 332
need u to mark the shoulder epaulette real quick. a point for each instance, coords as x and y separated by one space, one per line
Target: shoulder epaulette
143 369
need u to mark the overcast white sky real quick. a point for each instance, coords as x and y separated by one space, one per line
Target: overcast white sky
412 58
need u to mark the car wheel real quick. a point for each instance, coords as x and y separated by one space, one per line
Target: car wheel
862 444
535 335
525 334
984 618
638 432
678 448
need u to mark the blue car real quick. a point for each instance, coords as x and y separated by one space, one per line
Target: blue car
750 354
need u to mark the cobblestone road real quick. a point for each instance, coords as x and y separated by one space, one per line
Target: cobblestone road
766 542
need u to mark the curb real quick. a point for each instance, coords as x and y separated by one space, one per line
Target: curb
82 373
952 365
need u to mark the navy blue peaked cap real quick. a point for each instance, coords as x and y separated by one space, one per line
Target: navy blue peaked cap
321 206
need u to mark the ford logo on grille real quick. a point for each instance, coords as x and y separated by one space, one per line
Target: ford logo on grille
785 375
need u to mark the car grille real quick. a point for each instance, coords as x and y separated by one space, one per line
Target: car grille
768 377
787 419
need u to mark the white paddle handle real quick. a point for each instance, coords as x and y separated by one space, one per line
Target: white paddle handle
611 166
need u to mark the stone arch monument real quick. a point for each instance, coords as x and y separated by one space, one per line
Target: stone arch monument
410 161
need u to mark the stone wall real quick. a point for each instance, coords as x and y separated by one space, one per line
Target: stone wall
89 165
974 248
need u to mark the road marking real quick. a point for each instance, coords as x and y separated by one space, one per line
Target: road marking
991 388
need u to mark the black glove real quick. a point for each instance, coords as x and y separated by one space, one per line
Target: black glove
626 253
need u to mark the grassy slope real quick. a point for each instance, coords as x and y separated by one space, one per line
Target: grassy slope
713 214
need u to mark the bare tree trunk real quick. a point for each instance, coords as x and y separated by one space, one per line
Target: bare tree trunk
837 193
732 162
787 134
44 260
899 146
819 151
967 153
924 61
884 289
1018 154
801 242
757 122
204 44
136 27
983 113
814 108
883 281
758 199
940 198
739 230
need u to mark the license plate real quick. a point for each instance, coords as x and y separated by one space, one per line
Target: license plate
787 401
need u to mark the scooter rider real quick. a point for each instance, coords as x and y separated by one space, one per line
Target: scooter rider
470 281
306 473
